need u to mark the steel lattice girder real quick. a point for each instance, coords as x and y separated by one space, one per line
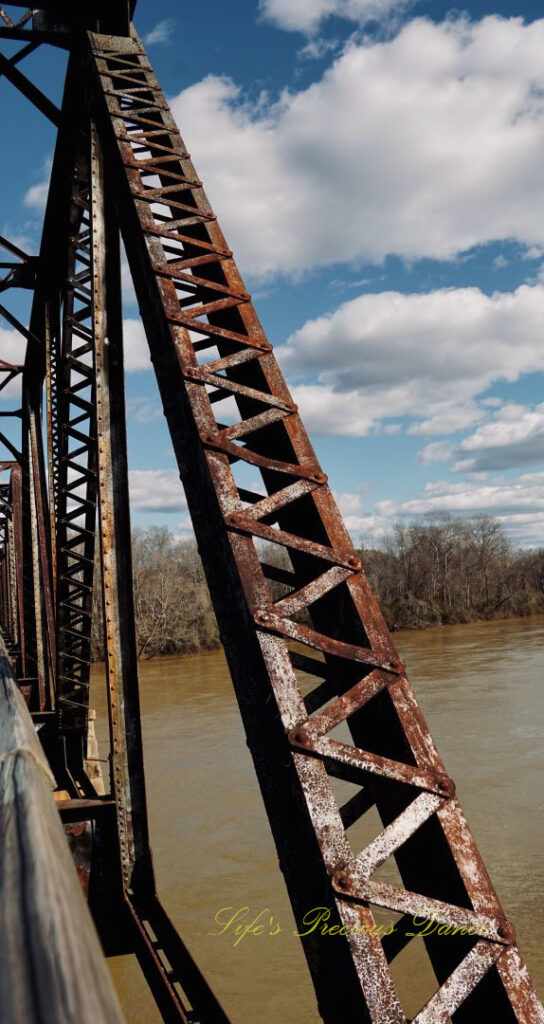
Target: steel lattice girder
75 347
60 22
193 301
73 460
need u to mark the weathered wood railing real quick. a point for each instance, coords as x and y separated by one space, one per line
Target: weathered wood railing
52 969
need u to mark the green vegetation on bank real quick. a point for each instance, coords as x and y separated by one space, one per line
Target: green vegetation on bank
438 570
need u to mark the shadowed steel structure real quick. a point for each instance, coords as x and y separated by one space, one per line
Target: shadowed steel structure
304 663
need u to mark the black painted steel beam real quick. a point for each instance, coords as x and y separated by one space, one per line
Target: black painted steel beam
28 89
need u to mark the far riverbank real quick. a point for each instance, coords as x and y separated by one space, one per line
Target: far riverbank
441 571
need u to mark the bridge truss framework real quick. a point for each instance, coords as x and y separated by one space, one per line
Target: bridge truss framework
316 658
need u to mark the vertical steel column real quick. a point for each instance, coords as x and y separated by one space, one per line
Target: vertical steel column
12 577
208 346
35 647
173 976
6 621
5 609
52 360
72 459
16 487
114 528
33 395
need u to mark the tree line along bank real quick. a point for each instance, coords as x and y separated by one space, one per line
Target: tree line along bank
435 571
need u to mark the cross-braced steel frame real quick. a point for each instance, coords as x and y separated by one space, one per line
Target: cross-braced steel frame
316 658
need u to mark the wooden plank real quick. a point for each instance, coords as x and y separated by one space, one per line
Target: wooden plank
52 968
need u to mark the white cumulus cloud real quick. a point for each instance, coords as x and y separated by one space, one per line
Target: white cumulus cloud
423 356
156 490
513 438
36 196
424 145
363 525
306 15
12 350
12 347
519 505
161 34
135 346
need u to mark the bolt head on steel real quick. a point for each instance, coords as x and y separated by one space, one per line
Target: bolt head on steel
506 931
262 616
297 737
233 519
446 787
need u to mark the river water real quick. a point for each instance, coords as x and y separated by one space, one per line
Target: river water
481 690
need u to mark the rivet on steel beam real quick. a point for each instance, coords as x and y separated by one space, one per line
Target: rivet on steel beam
355 563
234 519
446 786
506 931
340 879
207 438
320 478
261 616
297 737
395 665
264 346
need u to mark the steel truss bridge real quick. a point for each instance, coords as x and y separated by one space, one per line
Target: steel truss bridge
121 169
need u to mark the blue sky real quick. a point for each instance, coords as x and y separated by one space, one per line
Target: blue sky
377 169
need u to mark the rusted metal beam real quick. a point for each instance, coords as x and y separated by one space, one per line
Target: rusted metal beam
73 460
40 499
165 976
58 354
60 22
114 532
75 348
195 306
16 487
169 231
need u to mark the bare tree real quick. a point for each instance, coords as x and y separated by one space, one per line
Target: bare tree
442 569
434 570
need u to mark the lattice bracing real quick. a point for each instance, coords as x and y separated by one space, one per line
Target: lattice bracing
209 349
363 812
74 461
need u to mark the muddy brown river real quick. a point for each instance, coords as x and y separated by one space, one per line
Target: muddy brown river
481 689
